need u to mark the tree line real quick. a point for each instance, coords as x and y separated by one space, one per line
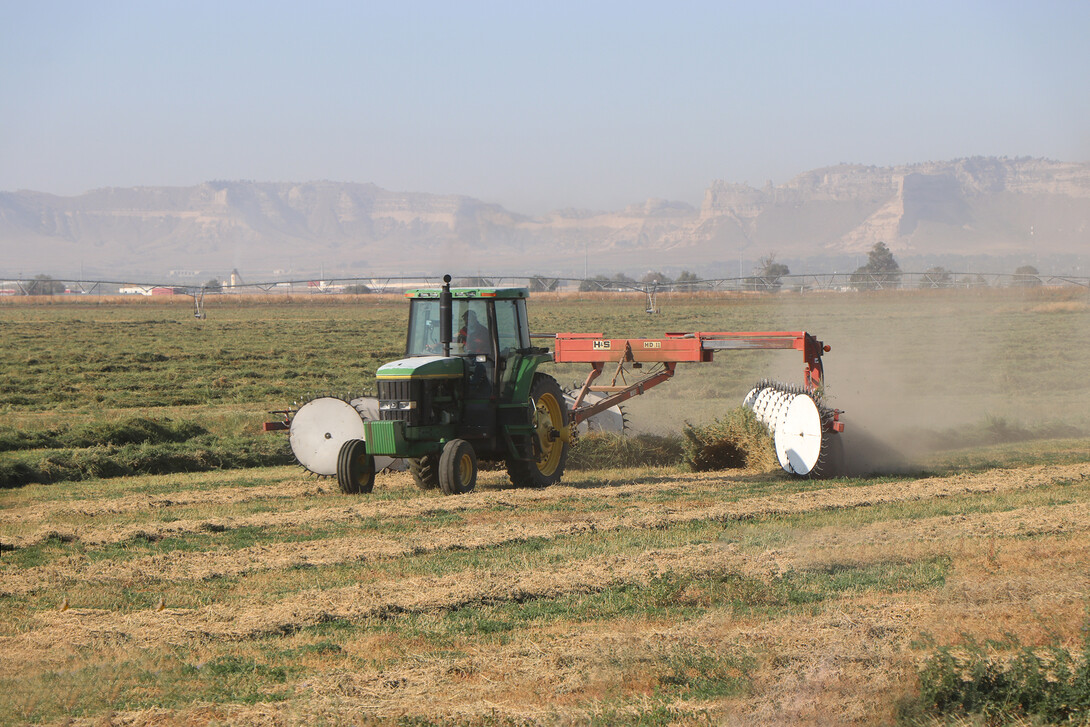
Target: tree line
880 271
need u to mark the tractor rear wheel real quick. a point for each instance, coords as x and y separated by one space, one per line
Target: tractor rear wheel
425 471
550 451
457 468
355 468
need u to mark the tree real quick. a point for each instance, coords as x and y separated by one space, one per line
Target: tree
767 267
1026 277
937 277
44 285
655 278
357 289
881 270
880 260
768 273
213 286
685 280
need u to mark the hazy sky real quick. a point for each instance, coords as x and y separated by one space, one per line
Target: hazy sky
536 105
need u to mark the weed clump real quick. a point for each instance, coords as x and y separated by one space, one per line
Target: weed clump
735 441
1047 684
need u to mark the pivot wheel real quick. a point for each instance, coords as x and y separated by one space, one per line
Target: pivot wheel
425 471
457 468
550 437
355 468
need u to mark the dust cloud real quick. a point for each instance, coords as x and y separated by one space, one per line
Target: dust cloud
914 372
917 372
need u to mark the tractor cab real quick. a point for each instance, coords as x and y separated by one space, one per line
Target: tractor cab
488 331
484 321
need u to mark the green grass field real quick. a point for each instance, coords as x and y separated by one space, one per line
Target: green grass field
160 564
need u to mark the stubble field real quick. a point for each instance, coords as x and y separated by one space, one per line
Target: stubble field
220 591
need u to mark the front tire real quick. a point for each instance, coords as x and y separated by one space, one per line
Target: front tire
425 471
457 468
549 453
355 468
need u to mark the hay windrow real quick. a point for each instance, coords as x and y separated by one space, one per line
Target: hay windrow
847 655
212 564
828 498
379 600
521 527
285 488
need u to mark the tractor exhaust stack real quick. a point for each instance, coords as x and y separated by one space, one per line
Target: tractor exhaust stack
446 316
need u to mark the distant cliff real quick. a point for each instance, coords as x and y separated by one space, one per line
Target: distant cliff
976 206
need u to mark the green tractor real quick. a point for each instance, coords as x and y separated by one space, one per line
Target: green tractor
459 395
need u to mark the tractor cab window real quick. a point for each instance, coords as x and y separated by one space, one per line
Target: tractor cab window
511 327
424 328
471 332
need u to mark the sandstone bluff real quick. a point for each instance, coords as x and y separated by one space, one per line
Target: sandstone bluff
976 206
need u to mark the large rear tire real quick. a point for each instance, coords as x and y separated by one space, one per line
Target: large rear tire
457 468
355 468
550 452
425 471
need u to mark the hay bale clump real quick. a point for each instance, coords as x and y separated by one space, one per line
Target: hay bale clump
607 450
735 441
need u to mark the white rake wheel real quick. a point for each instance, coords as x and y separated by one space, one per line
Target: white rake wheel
798 437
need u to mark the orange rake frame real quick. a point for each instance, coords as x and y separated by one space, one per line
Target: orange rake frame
675 348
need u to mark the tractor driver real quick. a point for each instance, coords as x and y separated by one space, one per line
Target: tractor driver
472 335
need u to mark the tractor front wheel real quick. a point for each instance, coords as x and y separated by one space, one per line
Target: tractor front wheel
425 471
550 444
355 468
457 468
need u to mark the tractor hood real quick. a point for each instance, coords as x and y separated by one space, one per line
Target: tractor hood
423 367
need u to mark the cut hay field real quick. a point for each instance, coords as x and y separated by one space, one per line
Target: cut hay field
152 571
